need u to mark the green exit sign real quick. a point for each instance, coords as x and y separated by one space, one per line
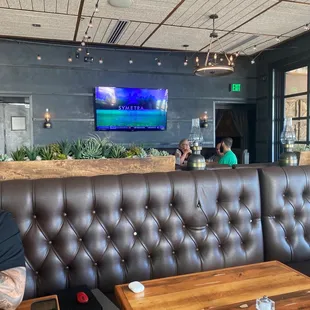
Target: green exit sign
235 87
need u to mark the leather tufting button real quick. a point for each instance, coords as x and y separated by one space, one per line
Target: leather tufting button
34 216
121 209
149 256
67 267
135 233
207 225
94 211
220 245
173 252
159 230
229 222
95 264
146 207
216 201
37 272
251 221
123 261
197 250
80 239
184 226
239 199
50 242
170 204
109 237
65 214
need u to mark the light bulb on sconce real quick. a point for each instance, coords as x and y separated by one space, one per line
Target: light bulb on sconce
203 120
47 117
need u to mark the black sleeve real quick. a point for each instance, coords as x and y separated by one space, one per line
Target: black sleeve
11 247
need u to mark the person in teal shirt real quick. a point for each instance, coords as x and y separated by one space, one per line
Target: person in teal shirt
229 157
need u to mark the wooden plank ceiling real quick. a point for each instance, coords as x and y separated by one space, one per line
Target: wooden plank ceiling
243 25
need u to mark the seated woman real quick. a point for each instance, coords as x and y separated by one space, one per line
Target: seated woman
183 152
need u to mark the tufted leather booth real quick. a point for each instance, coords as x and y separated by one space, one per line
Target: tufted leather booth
255 165
285 194
106 230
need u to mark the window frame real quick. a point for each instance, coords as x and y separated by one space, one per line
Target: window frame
278 104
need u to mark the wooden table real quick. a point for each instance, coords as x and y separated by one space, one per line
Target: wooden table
26 305
230 288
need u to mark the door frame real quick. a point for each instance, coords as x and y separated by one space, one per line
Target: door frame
28 99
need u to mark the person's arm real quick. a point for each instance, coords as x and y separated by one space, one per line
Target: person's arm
183 157
12 287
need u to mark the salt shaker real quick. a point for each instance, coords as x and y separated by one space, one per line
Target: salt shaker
265 304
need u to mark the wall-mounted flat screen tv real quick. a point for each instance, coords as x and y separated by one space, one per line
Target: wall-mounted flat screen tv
130 109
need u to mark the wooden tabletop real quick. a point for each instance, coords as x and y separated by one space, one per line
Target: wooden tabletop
26 305
217 289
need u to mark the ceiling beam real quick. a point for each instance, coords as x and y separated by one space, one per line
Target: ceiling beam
296 2
166 18
257 15
78 21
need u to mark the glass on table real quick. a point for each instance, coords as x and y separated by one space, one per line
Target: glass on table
265 304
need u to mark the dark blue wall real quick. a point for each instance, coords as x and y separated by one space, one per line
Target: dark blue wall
67 88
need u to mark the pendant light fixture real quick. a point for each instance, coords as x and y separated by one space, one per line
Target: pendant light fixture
216 64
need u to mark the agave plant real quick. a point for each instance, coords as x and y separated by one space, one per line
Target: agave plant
4 157
65 147
47 153
91 149
105 144
19 154
32 152
77 148
117 151
55 148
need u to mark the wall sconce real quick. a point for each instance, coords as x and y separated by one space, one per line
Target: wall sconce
47 117
203 119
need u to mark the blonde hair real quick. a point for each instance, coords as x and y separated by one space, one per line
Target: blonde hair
183 140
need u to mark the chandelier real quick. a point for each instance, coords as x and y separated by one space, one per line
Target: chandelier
216 64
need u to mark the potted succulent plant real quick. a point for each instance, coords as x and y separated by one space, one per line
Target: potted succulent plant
92 156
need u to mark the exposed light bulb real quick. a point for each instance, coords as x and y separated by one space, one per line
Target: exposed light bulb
83 43
85 35
185 61
96 8
130 61
306 27
87 52
158 62
79 49
252 61
69 59
254 47
39 57
278 39
237 54
90 25
100 60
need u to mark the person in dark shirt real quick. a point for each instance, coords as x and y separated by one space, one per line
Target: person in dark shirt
12 263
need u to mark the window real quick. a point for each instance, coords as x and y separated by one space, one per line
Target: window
296 102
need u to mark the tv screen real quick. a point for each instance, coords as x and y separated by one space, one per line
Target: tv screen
130 108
